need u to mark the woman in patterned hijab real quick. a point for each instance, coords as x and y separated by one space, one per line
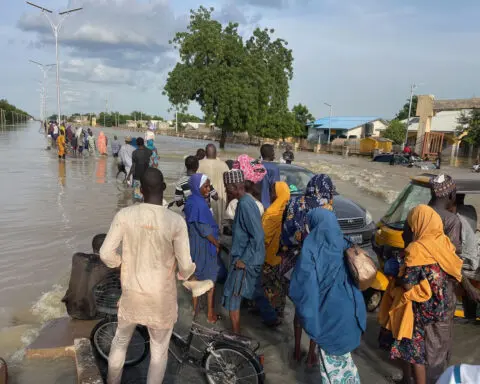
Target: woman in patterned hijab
319 193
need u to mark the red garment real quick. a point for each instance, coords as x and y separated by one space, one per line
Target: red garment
407 150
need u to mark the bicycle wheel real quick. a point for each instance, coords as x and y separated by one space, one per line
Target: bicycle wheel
229 364
103 334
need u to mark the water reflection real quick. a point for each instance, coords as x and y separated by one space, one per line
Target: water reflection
62 173
101 170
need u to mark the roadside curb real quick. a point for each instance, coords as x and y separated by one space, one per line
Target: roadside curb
87 370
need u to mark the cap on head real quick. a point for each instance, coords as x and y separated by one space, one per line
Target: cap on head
234 176
442 186
128 139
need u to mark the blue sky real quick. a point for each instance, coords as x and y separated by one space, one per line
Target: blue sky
360 56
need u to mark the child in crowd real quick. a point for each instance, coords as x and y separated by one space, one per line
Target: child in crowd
182 189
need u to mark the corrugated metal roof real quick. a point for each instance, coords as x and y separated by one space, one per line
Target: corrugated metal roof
344 122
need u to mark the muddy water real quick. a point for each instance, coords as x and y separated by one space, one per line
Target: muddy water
51 209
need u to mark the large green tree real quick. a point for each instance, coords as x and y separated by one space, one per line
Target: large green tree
239 85
403 113
395 131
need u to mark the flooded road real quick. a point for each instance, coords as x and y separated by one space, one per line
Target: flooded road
53 209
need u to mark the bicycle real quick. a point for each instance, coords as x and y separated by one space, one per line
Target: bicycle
224 357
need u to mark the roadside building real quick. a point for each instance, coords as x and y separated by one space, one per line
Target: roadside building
347 127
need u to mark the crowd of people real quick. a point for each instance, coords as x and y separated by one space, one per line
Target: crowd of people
78 141
281 247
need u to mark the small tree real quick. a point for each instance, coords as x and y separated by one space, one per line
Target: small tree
395 131
303 117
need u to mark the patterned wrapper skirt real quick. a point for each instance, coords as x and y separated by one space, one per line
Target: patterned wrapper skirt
275 287
338 369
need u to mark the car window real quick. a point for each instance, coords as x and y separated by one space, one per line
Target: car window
296 178
410 197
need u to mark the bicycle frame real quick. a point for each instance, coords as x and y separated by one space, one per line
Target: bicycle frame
214 336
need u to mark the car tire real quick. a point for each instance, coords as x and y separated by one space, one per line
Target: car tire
372 298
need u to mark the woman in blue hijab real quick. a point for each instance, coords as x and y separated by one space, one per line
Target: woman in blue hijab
327 302
203 235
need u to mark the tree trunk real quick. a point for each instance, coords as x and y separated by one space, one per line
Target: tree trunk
223 138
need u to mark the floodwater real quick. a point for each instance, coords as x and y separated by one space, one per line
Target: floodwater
52 209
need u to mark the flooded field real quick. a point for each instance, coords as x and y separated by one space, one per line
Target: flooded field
52 209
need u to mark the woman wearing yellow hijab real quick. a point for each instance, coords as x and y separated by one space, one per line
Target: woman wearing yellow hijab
418 297
272 226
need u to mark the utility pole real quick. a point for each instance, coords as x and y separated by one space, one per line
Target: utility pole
329 122
176 121
412 88
56 29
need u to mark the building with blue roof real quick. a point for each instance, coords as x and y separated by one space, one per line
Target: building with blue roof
345 127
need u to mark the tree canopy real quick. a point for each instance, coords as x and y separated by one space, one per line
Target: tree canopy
395 131
403 113
239 85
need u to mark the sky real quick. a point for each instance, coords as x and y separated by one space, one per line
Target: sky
360 56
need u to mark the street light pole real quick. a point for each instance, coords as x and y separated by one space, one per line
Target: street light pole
329 121
56 29
412 88
44 68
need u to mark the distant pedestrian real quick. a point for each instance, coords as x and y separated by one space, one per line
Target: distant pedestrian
438 161
102 144
140 163
74 145
154 159
115 144
91 144
125 155
288 156
61 145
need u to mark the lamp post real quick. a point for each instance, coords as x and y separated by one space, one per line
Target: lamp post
412 88
329 121
56 29
44 68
